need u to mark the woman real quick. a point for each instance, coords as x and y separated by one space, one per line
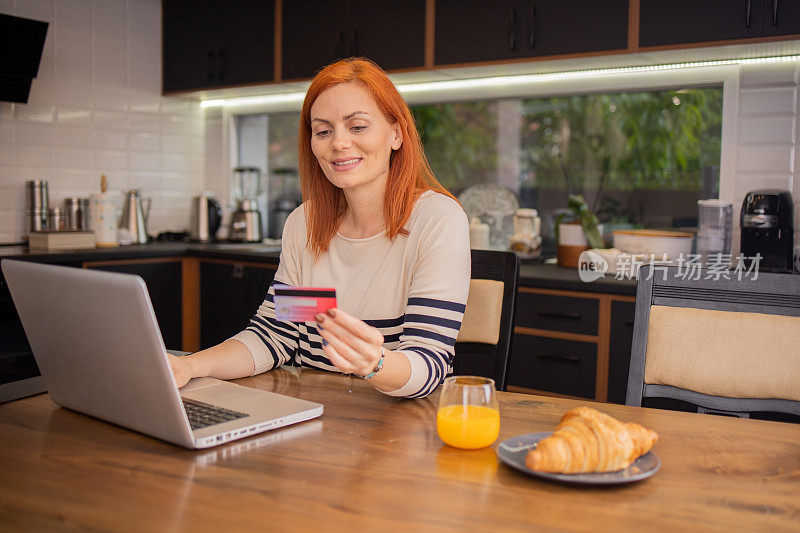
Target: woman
376 225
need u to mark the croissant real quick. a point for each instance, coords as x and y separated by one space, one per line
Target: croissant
587 440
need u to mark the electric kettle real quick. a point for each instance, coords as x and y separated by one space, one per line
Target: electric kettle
134 216
206 217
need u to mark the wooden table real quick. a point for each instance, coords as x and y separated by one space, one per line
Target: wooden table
374 463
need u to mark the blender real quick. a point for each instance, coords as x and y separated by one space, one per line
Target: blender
246 220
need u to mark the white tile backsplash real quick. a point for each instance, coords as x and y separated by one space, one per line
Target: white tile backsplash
767 131
768 101
769 159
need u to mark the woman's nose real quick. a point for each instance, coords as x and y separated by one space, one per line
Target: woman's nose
341 140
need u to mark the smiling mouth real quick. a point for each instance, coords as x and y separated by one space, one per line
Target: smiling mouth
346 163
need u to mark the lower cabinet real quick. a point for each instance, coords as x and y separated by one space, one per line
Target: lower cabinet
163 277
230 294
571 343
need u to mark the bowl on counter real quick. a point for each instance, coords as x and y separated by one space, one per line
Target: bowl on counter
662 244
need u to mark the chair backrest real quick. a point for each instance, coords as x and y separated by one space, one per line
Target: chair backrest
484 342
726 345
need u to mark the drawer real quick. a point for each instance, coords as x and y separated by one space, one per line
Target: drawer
554 365
557 313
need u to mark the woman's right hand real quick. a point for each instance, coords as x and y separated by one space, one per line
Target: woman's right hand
181 369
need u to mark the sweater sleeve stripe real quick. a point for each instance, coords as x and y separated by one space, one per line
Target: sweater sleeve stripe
438 304
436 321
426 334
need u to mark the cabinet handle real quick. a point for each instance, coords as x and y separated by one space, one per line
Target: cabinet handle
238 271
512 32
774 12
531 32
747 14
559 357
629 323
556 314
212 65
222 64
355 43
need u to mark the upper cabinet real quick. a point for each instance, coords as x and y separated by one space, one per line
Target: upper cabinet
318 32
507 29
217 43
694 21
781 17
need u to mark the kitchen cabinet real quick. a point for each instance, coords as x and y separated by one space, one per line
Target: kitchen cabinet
694 21
318 32
163 277
780 17
217 43
508 29
571 343
230 294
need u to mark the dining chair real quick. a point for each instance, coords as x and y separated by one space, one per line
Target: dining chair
484 341
727 346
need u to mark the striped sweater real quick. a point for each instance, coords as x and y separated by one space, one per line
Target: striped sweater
413 289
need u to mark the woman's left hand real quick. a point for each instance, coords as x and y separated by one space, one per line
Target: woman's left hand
351 345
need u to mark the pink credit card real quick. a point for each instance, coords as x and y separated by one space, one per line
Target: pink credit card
301 304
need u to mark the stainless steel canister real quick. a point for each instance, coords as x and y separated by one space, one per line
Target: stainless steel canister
37 203
77 213
36 195
57 221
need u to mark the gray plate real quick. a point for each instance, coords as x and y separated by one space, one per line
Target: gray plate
513 451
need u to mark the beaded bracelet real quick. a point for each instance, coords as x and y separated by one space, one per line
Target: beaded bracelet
377 368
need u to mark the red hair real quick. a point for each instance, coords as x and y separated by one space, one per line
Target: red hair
409 172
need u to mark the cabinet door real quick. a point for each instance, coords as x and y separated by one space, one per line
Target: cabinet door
691 21
315 33
781 17
389 32
570 26
189 43
164 284
619 353
217 43
230 294
245 45
553 365
482 30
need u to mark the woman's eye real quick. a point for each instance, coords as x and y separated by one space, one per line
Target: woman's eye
358 129
322 133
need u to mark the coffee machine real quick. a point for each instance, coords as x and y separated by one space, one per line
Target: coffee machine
767 226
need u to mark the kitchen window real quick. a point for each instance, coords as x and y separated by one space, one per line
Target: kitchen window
639 158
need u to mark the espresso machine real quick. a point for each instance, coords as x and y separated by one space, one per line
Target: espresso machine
247 223
767 226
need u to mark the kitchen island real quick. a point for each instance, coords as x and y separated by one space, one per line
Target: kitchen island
375 463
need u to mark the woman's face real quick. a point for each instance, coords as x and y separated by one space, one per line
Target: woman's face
351 138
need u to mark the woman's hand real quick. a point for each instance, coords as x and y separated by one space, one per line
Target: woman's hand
181 369
350 344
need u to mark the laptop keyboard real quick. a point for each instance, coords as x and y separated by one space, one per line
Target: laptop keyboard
202 415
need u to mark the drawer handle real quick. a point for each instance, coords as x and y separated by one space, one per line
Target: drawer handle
557 314
531 33
512 31
568 358
629 323
238 271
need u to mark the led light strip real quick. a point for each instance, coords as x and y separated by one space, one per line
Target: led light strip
504 81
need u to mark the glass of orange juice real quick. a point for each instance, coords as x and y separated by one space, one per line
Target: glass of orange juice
468 415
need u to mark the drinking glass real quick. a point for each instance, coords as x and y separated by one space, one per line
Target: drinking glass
468 415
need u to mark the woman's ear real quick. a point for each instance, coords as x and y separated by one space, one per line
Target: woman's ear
397 142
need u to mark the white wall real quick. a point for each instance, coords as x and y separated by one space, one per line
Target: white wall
96 107
766 129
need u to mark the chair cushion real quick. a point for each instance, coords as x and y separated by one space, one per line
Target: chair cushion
482 317
724 353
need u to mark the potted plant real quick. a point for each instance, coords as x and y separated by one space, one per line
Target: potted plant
580 234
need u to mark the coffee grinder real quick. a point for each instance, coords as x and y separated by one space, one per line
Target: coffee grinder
767 226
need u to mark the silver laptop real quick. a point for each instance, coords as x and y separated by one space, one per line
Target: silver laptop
100 352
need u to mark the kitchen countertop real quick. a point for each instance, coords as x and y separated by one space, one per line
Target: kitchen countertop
532 274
